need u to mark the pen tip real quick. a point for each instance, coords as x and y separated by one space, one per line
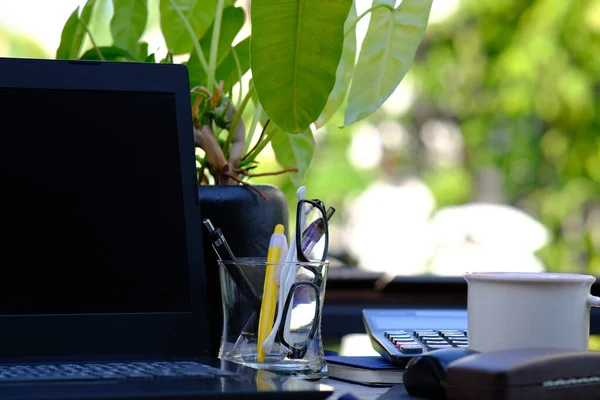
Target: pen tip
208 225
279 229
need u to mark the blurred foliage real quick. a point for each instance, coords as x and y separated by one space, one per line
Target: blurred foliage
18 45
521 79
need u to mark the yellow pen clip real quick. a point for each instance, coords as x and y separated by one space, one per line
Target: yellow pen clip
269 300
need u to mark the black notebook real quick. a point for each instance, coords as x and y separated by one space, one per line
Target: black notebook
367 370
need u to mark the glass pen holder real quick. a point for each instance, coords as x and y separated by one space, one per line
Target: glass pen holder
286 319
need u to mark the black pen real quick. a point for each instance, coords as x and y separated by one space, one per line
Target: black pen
226 255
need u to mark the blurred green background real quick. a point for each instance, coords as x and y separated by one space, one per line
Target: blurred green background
501 106
519 80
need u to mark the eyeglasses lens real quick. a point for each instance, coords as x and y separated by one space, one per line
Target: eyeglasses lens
302 314
314 233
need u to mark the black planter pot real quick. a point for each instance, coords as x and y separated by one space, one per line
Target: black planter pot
247 222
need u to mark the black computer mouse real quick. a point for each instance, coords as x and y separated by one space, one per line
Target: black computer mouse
425 375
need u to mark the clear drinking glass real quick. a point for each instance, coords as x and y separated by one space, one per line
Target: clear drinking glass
296 334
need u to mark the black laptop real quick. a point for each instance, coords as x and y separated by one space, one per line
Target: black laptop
102 281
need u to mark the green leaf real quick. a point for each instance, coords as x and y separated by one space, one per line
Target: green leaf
128 23
111 53
231 24
150 59
293 150
199 13
345 68
386 55
228 70
73 33
295 50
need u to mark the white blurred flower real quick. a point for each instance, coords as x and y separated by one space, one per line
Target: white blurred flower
388 227
492 225
484 238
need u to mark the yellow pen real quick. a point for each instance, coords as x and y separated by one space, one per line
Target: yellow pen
267 307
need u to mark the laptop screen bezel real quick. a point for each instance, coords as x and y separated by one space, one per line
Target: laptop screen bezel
163 335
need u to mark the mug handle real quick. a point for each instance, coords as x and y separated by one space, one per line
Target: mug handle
593 301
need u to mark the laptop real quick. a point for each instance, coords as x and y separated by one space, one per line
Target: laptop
102 281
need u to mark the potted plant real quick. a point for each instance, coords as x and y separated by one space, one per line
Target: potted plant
302 58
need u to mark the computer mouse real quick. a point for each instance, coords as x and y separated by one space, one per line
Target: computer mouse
425 375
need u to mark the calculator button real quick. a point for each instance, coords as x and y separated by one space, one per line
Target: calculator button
392 333
402 340
398 336
400 345
427 334
439 346
426 338
429 342
411 349
458 339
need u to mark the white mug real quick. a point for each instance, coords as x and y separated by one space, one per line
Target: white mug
521 310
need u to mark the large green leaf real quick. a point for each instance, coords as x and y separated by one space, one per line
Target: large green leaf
200 15
295 50
343 75
228 70
73 33
386 55
111 53
231 24
128 23
293 150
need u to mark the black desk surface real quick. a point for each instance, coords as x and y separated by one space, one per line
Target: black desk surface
361 392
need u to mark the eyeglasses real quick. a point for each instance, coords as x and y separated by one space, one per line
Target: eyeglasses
312 230
302 307
301 312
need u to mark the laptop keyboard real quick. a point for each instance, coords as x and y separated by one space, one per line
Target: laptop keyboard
88 371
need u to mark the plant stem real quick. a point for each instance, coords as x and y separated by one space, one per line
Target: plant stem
239 71
202 162
262 134
365 13
283 171
214 44
255 120
271 132
195 41
236 119
89 33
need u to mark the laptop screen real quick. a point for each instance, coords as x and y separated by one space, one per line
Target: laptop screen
90 181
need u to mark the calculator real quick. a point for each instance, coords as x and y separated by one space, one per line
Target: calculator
400 334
